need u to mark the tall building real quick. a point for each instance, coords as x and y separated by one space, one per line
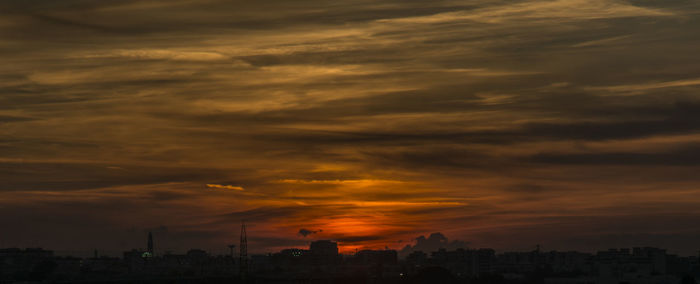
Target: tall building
324 252
149 247
150 243
231 247
243 268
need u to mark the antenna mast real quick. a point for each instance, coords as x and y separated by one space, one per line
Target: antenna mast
243 252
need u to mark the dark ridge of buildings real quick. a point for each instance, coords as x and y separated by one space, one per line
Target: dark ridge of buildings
322 263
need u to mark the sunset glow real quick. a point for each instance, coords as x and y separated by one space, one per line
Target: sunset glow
497 123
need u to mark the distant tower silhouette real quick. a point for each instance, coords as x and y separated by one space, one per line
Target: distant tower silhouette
231 247
150 243
243 252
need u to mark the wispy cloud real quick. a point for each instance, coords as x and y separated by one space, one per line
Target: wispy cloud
634 89
563 10
219 186
376 121
161 54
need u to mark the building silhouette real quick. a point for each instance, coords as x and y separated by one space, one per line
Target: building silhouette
324 252
149 245
322 263
243 261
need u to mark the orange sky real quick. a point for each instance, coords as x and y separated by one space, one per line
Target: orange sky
571 124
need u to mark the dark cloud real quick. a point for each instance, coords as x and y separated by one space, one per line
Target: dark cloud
358 239
8 119
165 195
262 214
20 176
432 243
305 232
473 118
682 156
526 188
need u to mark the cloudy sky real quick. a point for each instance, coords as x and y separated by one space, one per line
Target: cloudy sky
574 124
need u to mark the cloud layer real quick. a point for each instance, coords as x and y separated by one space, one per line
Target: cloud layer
374 120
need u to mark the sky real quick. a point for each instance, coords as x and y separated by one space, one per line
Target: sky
572 124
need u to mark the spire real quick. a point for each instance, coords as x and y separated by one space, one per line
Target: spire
243 252
150 243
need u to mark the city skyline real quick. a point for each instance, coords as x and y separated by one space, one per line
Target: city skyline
321 262
425 243
572 124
